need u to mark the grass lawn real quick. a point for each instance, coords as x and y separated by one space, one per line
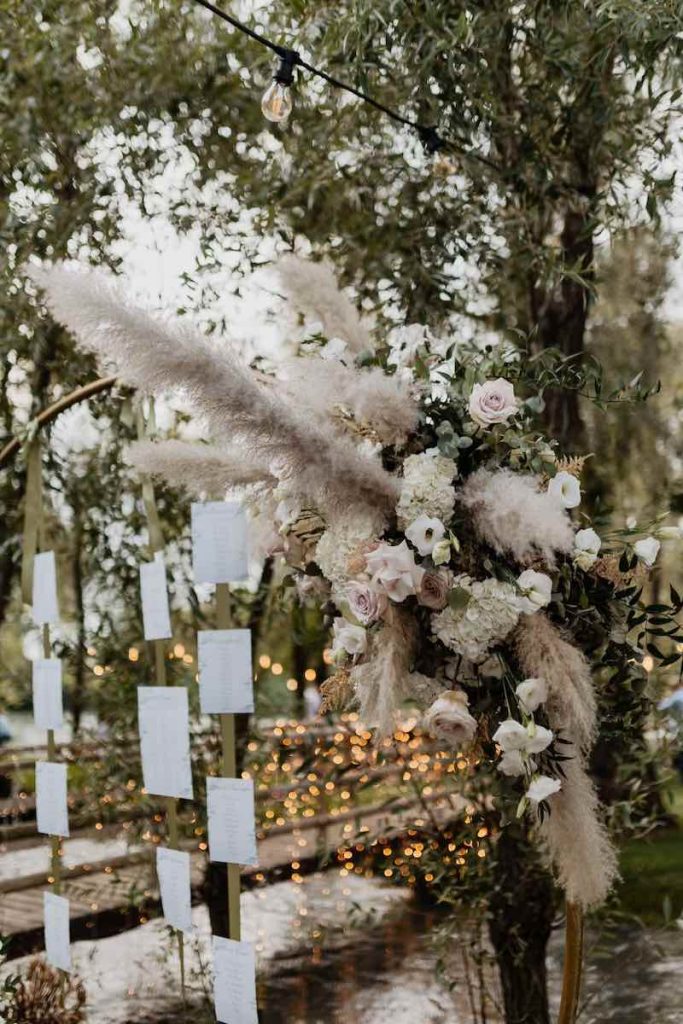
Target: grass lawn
652 871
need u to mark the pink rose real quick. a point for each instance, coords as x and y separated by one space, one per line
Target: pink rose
433 591
393 568
366 601
492 402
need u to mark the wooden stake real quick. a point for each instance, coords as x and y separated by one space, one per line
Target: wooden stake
55 842
223 617
573 964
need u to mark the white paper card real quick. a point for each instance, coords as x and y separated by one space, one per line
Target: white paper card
155 613
173 870
219 542
45 610
234 972
232 832
225 671
56 917
48 709
165 740
51 806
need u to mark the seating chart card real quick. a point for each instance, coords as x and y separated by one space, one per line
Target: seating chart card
45 609
173 871
56 917
164 726
232 831
156 616
234 969
225 671
51 803
48 710
219 542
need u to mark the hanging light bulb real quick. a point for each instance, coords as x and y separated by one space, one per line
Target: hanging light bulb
277 100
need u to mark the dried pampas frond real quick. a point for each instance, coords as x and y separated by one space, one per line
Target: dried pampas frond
574 834
199 468
156 356
314 290
382 681
381 402
514 517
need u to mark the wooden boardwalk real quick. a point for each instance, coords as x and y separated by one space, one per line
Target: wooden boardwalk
109 896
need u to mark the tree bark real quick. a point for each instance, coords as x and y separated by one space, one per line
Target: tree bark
521 913
560 318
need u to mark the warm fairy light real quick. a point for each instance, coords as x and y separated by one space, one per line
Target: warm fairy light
188 659
98 670
133 654
91 652
648 663
179 650
327 656
310 675
276 668
264 661
292 685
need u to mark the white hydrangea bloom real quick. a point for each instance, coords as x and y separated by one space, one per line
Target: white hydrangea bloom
489 616
426 488
343 539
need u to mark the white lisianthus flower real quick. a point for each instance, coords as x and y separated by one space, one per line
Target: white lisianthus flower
492 402
531 694
512 763
536 591
511 735
566 488
448 719
348 638
670 532
392 567
587 545
441 552
542 787
425 532
538 738
647 550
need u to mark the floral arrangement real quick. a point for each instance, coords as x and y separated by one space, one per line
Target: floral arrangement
406 486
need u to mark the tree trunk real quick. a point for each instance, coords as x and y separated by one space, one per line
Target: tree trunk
521 909
560 318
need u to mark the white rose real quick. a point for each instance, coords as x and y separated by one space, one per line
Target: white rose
538 738
424 533
536 590
542 787
449 719
492 402
566 488
441 552
366 602
647 550
512 763
531 694
511 735
348 639
393 567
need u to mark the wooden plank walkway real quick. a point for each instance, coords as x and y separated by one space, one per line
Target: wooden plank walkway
108 897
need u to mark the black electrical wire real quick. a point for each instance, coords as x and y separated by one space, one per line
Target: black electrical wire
428 134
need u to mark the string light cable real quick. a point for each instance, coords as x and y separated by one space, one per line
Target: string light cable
277 102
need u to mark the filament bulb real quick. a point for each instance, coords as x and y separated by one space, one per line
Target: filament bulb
277 102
